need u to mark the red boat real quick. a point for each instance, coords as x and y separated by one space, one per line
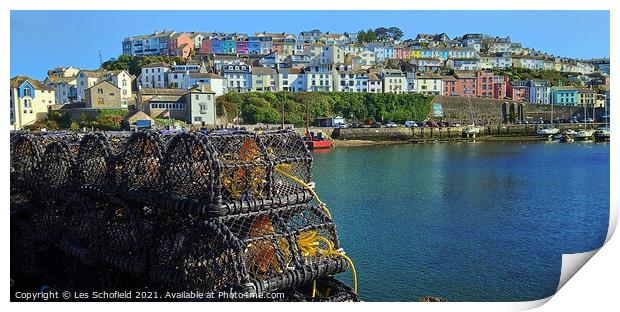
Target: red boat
317 141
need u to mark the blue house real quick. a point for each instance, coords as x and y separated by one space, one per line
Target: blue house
566 96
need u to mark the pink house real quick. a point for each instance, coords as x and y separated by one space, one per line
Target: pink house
399 53
243 47
181 44
484 84
516 90
205 47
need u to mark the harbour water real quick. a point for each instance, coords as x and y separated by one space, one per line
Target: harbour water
467 222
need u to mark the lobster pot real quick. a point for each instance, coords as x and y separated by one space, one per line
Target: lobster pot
57 168
24 245
189 172
93 164
327 289
47 218
244 173
122 237
138 166
260 252
26 153
80 237
290 157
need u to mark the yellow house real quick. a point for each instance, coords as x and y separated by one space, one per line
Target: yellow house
416 53
29 101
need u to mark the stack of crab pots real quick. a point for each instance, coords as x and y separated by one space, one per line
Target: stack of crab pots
231 213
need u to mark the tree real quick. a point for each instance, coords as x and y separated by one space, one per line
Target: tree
382 33
395 33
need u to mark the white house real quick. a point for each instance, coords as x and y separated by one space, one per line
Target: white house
291 79
318 78
154 75
238 77
394 81
86 79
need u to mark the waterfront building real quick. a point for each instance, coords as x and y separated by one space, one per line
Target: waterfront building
151 44
154 75
103 95
29 101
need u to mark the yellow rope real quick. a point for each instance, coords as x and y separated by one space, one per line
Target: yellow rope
284 169
309 244
309 241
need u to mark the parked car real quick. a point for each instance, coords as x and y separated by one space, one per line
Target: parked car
433 124
410 123
455 124
391 124
340 125
376 125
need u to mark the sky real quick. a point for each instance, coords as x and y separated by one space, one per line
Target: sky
42 40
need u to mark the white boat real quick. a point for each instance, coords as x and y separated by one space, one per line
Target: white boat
569 132
471 129
547 131
584 134
550 130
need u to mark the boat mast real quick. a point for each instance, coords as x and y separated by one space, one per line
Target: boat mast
606 111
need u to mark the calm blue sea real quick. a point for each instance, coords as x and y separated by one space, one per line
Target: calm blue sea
467 221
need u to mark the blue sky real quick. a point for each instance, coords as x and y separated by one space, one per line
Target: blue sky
42 40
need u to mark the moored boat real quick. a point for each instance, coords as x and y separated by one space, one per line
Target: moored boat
584 134
547 131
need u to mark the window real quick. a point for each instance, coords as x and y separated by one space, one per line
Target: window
124 92
100 101
100 91
27 91
197 118
197 96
